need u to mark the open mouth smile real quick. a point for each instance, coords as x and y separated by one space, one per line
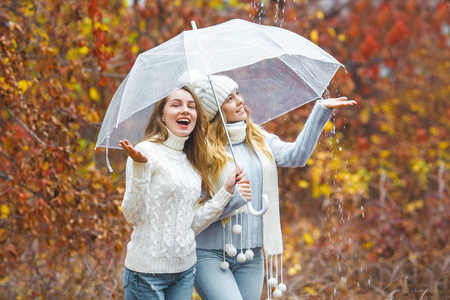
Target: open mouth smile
184 122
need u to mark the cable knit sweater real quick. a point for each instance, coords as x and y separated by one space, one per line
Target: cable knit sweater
160 202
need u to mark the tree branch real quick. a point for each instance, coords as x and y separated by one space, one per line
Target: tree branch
25 127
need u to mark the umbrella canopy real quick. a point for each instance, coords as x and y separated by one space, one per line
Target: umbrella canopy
275 68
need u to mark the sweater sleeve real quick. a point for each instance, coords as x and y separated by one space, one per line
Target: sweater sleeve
134 204
236 202
297 153
207 213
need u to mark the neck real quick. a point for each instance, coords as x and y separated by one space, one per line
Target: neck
175 142
237 132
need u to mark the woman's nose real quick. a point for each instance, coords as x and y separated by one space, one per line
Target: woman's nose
184 109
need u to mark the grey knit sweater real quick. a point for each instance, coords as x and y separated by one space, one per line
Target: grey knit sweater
292 155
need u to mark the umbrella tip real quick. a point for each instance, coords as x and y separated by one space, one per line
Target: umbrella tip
194 26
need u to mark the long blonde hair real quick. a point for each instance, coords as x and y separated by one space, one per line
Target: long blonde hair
217 141
195 147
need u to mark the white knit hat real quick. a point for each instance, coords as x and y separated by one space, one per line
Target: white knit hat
223 86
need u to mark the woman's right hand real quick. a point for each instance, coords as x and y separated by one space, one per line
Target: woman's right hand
244 188
237 177
136 155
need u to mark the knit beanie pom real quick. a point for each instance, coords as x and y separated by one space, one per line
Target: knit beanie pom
223 86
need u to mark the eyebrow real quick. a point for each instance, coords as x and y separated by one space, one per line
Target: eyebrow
176 99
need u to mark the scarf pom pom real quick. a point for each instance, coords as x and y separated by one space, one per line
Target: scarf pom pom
272 282
224 265
237 229
277 293
231 251
249 254
241 257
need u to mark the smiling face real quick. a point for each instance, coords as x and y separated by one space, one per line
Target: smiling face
180 113
233 107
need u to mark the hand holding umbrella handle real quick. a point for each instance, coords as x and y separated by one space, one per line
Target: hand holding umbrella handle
265 206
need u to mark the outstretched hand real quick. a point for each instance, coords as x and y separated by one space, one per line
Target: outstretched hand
332 103
136 155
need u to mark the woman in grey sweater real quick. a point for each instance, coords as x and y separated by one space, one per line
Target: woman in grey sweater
230 261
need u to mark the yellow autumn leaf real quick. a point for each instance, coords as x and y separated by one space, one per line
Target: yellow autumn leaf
295 269
341 37
311 291
83 50
385 153
412 206
94 95
120 208
331 31
314 35
5 211
13 41
72 54
303 184
320 15
325 189
443 145
375 139
135 49
368 245
328 126
308 238
23 85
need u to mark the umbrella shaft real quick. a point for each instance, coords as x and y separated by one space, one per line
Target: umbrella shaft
223 120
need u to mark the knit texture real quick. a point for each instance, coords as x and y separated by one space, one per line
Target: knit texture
223 86
291 155
159 202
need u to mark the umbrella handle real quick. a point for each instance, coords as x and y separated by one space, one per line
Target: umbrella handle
265 206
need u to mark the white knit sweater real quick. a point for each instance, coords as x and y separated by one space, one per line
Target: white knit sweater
160 202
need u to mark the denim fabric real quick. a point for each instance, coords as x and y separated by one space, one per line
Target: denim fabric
241 281
176 286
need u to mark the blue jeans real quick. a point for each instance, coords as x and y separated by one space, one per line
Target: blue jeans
241 281
170 286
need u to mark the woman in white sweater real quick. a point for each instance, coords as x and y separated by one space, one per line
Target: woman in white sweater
230 257
165 174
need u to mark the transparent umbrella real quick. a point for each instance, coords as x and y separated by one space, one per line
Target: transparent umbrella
276 69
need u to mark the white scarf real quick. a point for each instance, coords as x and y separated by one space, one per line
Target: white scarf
272 236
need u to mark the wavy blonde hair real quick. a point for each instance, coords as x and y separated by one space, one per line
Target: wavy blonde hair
217 141
195 147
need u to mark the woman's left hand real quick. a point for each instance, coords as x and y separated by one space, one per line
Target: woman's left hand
332 103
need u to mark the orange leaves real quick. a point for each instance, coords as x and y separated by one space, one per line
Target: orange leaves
398 33
369 46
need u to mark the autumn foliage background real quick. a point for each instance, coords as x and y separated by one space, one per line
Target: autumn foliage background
367 218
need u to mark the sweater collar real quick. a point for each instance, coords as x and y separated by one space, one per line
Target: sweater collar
175 142
237 132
